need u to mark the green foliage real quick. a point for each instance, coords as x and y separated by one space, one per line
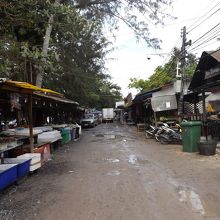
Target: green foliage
138 84
75 60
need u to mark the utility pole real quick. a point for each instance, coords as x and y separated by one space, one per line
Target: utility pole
183 71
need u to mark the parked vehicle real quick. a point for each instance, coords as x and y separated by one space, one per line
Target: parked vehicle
150 133
98 115
169 135
89 120
107 114
153 131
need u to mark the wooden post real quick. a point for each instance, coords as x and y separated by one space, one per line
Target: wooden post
30 116
195 117
204 115
155 118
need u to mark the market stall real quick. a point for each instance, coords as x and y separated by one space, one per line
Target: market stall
24 106
206 82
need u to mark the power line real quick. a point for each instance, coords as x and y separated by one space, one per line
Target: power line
204 44
203 17
206 41
202 40
206 34
199 48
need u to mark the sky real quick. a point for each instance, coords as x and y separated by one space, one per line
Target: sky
134 59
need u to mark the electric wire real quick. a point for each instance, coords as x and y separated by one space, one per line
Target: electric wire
211 31
206 41
199 48
204 14
204 20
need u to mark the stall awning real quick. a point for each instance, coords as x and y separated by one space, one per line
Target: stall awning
164 103
27 88
24 87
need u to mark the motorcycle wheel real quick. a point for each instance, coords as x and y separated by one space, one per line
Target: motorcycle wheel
163 140
148 136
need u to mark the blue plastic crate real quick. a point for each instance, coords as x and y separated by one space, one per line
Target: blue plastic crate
8 175
23 167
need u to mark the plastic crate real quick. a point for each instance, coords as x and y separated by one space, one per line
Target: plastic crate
8 175
23 167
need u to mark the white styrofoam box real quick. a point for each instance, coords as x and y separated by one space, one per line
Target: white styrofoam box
21 132
35 160
15 160
3 147
4 167
44 128
26 131
49 136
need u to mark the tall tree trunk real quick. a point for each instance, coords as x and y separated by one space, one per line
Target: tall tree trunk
39 77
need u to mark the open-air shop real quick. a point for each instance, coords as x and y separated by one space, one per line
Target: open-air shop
34 121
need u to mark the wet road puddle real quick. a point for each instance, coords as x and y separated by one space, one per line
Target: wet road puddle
188 195
106 136
193 198
114 173
109 136
112 136
113 160
133 159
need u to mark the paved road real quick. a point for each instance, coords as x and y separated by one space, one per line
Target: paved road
114 173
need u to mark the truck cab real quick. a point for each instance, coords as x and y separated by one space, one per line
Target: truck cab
89 120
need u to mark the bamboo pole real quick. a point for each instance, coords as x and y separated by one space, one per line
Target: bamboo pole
30 116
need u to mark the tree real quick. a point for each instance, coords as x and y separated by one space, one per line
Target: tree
71 32
111 11
74 64
136 14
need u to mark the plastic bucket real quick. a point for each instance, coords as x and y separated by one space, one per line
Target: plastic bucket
207 147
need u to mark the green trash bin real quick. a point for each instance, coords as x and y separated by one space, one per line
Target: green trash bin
191 132
65 135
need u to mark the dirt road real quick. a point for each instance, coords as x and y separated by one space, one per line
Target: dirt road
114 173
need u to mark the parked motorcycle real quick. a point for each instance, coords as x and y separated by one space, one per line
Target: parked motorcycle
153 130
169 135
150 133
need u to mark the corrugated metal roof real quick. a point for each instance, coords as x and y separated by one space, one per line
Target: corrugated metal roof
208 60
140 97
215 54
55 98
25 87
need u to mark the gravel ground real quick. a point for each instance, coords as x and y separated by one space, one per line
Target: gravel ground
114 173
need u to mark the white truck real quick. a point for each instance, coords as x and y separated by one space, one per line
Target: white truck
107 114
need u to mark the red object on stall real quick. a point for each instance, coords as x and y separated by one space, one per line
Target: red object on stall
44 150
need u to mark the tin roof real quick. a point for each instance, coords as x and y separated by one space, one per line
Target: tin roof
55 98
208 60
27 88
